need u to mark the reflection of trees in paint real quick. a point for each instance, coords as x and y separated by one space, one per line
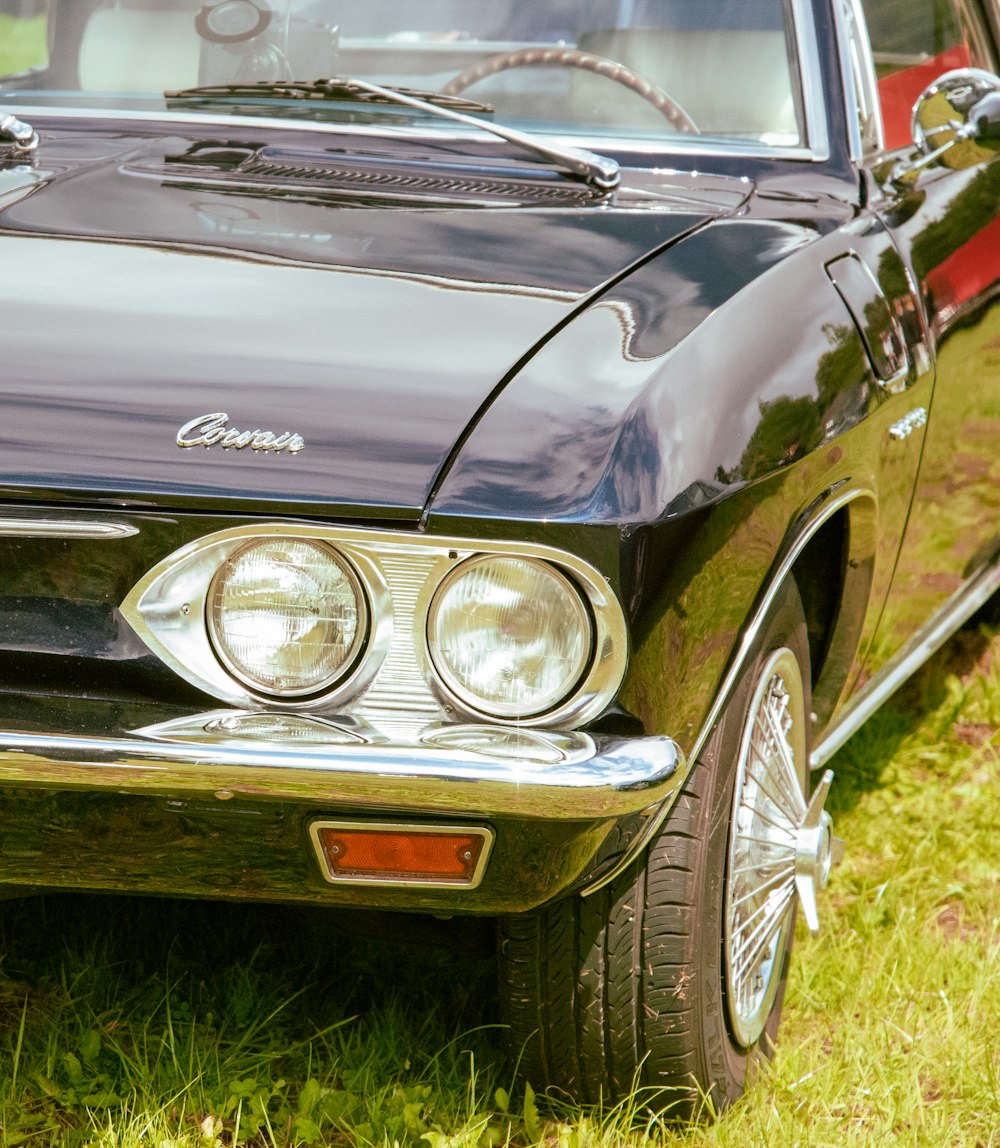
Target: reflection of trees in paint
791 427
788 428
843 366
972 209
892 275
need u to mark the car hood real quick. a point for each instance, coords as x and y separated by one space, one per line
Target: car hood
154 283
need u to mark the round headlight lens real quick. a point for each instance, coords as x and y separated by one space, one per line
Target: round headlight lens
286 616
509 636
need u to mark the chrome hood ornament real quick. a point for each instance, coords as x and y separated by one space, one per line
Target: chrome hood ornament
209 430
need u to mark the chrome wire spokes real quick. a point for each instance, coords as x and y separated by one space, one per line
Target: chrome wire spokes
779 845
768 807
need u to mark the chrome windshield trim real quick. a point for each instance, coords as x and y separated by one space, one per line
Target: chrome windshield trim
855 47
56 528
696 146
663 148
608 778
817 127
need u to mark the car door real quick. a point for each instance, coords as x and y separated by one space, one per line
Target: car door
945 221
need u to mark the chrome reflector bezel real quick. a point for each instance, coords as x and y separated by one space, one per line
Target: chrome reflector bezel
393 679
484 833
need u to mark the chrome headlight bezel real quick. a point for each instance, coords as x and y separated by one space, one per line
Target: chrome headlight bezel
168 609
393 677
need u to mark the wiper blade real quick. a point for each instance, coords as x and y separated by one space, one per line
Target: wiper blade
597 170
332 89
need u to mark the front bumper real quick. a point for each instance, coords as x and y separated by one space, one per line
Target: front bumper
99 796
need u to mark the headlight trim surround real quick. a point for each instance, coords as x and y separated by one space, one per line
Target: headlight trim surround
166 609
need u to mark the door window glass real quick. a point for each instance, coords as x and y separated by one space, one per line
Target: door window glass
914 42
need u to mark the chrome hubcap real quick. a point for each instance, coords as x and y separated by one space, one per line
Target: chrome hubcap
778 845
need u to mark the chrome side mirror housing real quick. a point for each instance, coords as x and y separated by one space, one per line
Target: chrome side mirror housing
957 118
18 140
956 121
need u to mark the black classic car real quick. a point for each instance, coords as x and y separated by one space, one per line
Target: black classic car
484 457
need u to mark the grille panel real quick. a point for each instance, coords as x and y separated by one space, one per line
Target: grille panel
236 167
400 687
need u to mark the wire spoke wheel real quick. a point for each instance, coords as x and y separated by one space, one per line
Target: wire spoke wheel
666 985
768 808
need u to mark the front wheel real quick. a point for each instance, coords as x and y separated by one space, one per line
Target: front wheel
669 981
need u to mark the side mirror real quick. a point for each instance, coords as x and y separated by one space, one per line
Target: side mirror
17 139
957 119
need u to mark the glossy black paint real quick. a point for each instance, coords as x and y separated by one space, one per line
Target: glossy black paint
147 292
951 229
252 851
669 381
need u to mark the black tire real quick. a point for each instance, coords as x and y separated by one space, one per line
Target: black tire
629 988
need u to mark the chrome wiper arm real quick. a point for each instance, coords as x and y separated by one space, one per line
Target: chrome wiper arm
597 170
594 169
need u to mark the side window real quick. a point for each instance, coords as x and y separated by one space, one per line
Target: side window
913 42
23 36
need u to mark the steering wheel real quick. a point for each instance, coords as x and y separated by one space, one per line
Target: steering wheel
675 115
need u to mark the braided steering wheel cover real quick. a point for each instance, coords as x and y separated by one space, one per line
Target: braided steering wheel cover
676 116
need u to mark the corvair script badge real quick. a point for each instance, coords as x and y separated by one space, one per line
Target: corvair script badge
214 431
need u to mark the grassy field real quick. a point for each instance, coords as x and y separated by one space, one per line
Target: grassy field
179 1025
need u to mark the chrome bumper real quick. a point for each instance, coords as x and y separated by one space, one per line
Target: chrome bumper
552 798
469 770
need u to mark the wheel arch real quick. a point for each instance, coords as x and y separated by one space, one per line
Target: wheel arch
845 516
834 570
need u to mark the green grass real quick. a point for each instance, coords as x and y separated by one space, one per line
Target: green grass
178 1025
22 44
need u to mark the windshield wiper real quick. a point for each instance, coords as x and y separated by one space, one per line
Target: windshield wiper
333 89
596 170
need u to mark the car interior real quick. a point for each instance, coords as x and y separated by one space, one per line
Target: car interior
729 64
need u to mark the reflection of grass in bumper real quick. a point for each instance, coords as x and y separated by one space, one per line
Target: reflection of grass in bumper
222 807
22 44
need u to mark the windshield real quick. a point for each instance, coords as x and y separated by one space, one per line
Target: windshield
649 70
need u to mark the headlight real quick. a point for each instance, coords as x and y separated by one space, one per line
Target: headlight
395 628
286 616
510 637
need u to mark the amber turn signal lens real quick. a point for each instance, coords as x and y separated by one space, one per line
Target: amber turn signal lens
401 854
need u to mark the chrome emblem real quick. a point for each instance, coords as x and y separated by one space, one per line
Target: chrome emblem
213 430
